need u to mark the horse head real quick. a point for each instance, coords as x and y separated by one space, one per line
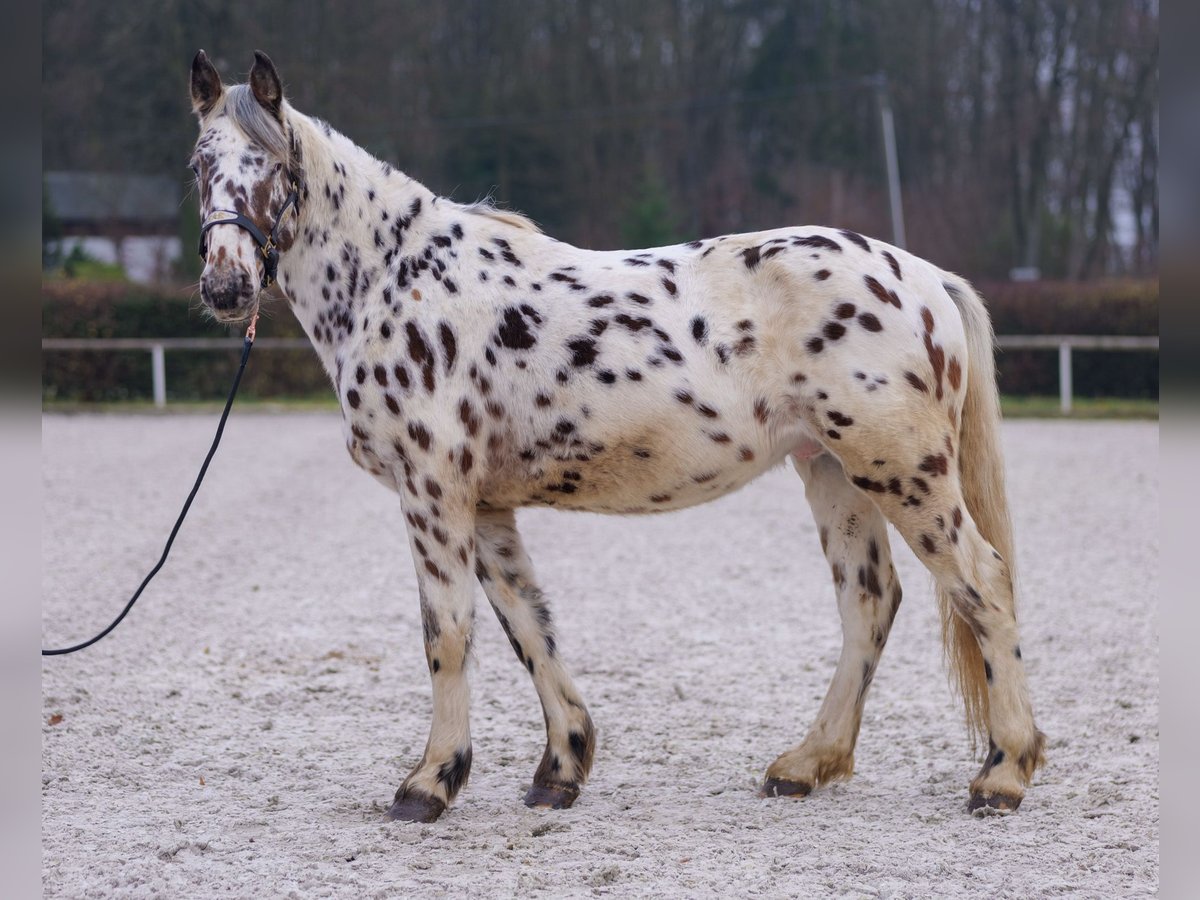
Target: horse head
248 173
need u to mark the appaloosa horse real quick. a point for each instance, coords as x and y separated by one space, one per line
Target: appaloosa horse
482 366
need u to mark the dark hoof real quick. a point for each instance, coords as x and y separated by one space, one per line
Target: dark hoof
984 804
415 807
778 787
554 797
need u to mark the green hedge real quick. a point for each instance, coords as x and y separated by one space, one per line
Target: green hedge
73 308
1065 307
80 309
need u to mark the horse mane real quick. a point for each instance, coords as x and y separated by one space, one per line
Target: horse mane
264 130
507 217
259 126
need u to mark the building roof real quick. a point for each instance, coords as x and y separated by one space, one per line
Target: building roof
104 197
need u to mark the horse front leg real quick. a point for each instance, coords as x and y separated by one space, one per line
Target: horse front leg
442 540
506 573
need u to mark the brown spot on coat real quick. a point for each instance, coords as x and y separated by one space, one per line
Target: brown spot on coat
872 582
817 242
954 373
937 359
833 330
870 322
884 295
420 434
868 484
855 238
934 465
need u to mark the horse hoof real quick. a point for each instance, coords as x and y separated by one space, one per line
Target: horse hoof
779 787
986 804
415 807
553 797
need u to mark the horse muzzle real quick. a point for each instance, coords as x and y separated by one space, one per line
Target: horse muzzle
230 292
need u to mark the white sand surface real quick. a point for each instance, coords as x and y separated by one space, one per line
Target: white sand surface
243 731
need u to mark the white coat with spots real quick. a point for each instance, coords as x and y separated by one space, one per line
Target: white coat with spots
483 366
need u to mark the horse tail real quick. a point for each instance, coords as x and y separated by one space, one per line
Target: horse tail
981 474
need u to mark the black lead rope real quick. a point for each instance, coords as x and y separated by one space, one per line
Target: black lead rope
237 379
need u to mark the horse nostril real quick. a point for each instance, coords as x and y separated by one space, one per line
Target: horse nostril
221 295
226 288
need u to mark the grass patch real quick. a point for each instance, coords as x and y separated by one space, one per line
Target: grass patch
324 402
1014 407
1081 408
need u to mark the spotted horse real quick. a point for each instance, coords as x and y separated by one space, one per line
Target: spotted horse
482 366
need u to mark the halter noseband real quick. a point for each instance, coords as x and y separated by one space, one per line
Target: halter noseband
266 245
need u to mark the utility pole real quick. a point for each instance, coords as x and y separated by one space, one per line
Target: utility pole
888 126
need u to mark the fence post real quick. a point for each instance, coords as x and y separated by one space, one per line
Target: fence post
1065 388
158 369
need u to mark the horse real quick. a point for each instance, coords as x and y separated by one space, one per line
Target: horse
482 366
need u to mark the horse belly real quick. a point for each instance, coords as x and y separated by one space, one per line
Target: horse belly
654 468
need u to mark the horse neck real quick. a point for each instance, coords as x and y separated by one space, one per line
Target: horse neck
352 203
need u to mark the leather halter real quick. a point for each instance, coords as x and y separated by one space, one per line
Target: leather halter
266 245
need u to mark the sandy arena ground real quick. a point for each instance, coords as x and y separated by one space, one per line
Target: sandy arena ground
243 731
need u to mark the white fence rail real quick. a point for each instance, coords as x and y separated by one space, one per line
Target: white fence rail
1064 343
158 347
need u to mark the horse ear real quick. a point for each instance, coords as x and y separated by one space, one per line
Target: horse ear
206 84
264 82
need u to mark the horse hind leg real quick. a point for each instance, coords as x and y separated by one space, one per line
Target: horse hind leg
506 574
855 541
975 590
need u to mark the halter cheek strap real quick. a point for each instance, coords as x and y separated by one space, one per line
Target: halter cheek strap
266 245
